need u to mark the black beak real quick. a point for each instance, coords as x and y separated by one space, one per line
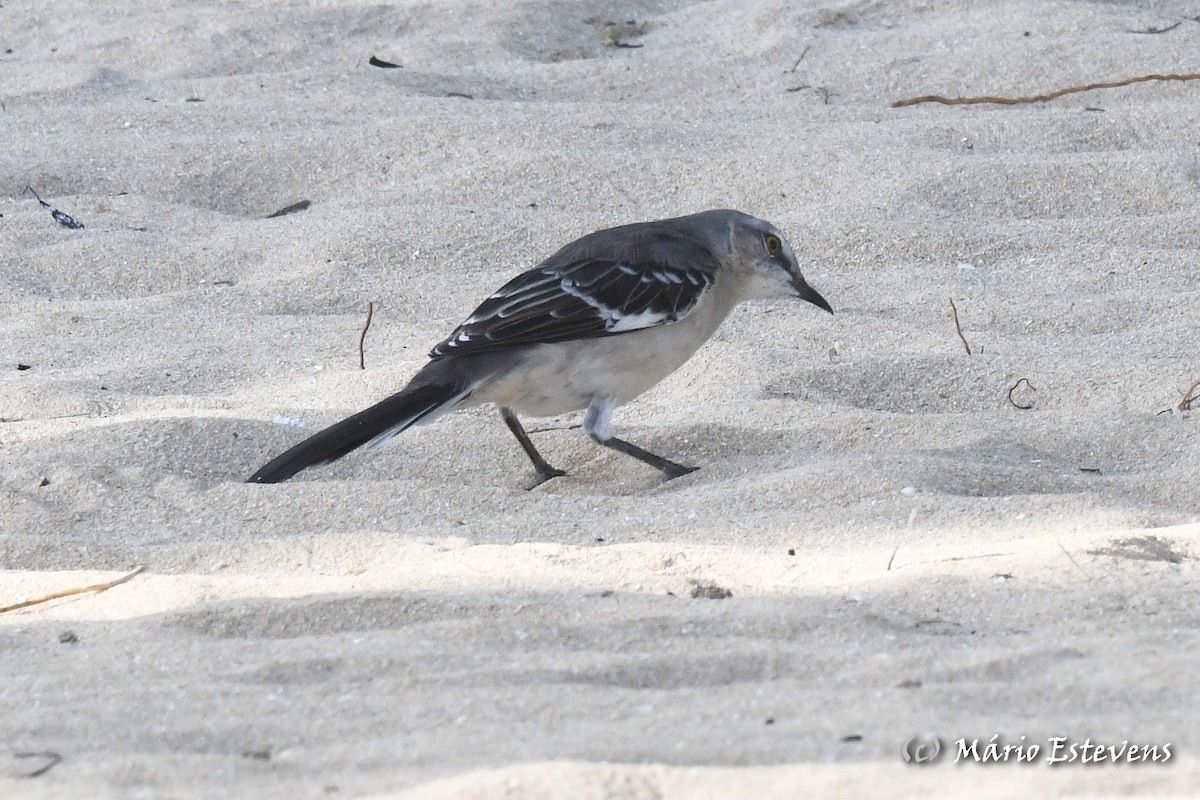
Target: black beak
810 294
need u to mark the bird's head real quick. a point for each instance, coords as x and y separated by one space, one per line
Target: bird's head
770 265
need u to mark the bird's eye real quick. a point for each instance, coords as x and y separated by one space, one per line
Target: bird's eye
772 244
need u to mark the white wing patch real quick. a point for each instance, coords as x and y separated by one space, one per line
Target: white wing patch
631 322
614 319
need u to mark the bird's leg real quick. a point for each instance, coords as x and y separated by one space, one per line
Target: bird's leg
595 424
544 471
664 465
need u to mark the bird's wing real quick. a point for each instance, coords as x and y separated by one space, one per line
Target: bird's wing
583 292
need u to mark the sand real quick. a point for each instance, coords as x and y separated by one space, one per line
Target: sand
881 543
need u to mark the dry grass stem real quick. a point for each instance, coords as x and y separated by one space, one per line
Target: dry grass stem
96 587
958 327
362 337
1041 98
1189 397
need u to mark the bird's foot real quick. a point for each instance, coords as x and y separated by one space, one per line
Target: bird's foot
545 473
672 470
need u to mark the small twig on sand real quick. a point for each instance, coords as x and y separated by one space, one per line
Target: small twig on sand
1189 397
1073 561
1041 98
1013 388
53 759
803 53
958 327
96 587
549 428
893 558
362 337
1152 29
292 209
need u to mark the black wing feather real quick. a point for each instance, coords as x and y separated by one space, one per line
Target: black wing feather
604 284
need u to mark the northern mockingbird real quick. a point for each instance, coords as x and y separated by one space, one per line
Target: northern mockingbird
591 327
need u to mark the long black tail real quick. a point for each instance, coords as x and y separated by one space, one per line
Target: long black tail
383 420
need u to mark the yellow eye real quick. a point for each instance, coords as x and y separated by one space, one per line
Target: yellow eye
773 244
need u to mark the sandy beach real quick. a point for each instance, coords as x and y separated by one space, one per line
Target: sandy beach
889 537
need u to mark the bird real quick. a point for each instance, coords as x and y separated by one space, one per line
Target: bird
596 324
